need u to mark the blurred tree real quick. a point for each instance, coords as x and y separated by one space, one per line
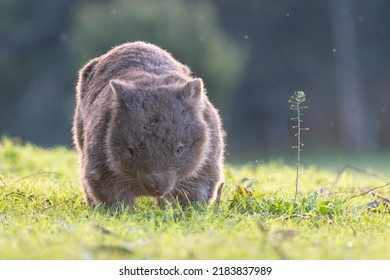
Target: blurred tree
187 29
45 42
290 50
296 45
33 70
356 123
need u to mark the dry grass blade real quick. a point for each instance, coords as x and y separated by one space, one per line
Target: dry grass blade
60 204
347 167
219 195
371 190
38 173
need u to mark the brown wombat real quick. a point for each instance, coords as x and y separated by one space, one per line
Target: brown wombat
143 126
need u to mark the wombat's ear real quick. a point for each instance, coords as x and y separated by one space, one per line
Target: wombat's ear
122 89
193 90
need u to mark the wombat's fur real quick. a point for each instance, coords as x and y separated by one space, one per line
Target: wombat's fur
143 126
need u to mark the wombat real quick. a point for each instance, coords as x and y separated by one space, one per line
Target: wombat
144 126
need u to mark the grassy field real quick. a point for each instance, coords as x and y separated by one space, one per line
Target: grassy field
43 216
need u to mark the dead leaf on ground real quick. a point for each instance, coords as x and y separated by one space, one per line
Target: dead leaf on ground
103 230
384 200
372 205
122 248
286 234
375 204
324 191
245 187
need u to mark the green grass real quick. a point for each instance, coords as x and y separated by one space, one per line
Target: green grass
43 216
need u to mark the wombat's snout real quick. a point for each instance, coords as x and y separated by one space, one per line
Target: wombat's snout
158 183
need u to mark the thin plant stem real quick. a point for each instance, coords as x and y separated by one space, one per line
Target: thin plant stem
297 99
298 152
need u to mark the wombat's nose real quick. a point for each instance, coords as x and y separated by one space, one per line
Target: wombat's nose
157 180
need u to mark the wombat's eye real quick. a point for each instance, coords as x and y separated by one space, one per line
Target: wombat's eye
179 149
131 151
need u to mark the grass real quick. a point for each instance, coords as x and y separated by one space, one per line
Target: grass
43 216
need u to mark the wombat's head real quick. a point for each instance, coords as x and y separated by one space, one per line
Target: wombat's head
158 134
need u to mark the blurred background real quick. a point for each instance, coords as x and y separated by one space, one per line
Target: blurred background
252 55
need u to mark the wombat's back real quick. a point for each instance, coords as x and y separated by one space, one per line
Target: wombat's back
136 57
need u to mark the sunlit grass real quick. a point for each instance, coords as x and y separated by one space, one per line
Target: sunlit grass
43 216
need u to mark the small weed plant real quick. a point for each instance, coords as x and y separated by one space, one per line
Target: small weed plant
296 105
